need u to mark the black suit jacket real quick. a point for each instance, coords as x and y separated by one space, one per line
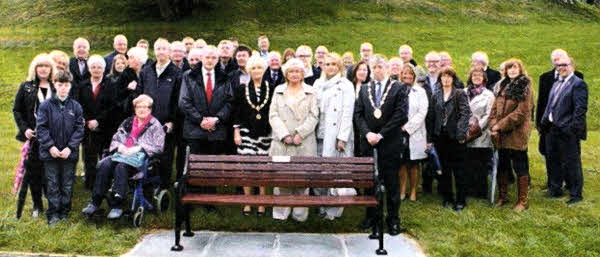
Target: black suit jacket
493 76
458 111
229 67
100 109
394 115
280 78
194 105
78 77
545 85
569 111
316 74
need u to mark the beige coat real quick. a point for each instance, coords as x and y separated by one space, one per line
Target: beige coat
289 117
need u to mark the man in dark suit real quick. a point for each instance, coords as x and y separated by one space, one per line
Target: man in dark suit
120 46
311 73
178 56
78 64
273 74
206 100
380 111
546 81
162 81
226 63
564 127
479 60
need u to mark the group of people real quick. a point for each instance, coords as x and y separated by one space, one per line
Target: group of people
230 99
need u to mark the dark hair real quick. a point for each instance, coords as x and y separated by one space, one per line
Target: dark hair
243 48
473 70
113 69
448 71
355 70
62 76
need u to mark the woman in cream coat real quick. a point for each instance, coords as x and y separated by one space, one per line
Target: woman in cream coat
418 104
293 117
335 136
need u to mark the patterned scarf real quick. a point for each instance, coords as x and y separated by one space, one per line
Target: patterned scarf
475 90
135 130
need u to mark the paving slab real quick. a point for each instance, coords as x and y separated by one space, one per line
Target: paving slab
229 244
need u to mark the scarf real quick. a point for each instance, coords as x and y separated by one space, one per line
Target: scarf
136 129
475 90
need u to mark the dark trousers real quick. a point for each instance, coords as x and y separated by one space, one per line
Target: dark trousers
92 145
563 160
509 160
166 160
32 179
452 159
180 160
205 147
477 168
388 174
107 171
59 183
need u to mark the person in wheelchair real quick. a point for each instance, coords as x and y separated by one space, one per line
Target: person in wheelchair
138 137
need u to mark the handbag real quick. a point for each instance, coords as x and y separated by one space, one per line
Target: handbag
474 129
135 160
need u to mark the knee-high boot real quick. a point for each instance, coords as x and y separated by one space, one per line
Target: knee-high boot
502 188
523 185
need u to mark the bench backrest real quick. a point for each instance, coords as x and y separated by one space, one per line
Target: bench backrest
282 171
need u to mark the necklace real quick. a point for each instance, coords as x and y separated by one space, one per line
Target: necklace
377 113
257 108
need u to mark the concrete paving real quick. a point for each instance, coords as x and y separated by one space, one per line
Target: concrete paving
228 244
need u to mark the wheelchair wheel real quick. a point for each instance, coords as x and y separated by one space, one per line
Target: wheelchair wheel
138 217
162 200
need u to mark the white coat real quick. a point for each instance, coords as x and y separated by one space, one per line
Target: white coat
481 107
415 127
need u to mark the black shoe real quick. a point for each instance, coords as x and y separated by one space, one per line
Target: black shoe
247 213
557 194
573 201
394 229
459 207
447 203
367 223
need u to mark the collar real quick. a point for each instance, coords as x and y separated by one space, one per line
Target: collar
383 82
204 71
568 77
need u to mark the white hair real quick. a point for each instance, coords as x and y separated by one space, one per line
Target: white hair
178 45
81 40
196 51
274 54
293 63
558 51
433 55
143 98
480 56
405 47
141 54
210 48
120 36
254 61
162 40
378 60
96 59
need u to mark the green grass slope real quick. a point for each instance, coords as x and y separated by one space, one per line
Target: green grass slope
528 30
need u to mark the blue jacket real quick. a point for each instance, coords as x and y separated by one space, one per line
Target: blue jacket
59 124
163 89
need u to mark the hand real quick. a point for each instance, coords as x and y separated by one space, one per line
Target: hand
132 85
29 133
288 140
54 152
495 128
237 138
65 153
341 146
297 139
461 142
429 145
92 124
169 126
372 138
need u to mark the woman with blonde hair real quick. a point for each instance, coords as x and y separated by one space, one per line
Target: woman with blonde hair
36 89
510 129
60 58
293 116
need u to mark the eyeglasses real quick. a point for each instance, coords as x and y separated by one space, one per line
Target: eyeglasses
143 107
562 64
432 61
304 56
330 64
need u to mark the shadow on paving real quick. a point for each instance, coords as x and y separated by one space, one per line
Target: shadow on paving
227 244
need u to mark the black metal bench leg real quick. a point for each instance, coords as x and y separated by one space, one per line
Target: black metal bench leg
380 250
188 227
178 220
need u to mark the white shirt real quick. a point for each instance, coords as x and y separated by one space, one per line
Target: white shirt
205 78
558 91
161 69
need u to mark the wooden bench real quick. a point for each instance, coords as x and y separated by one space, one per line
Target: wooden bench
280 171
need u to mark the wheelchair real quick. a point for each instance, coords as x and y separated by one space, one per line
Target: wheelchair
144 191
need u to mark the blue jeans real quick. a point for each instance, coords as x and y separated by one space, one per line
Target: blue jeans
59 175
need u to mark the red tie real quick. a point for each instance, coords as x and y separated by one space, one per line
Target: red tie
209 87
96 91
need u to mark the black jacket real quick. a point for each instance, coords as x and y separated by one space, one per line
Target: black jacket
569 112
493 76
109 59
100 109
245 116
280 78
229 67
59 124
186 65
194 105
123 96
78 77
545 85
164 90
394 115
25 106
457 111
316 75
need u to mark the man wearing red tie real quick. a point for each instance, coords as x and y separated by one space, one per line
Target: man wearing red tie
205 100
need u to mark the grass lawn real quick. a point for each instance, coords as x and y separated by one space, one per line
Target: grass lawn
527 30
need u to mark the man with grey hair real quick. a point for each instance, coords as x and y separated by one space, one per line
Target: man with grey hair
78 64
273 74
546 81
429 82
380 111
120 46
479 60
311 73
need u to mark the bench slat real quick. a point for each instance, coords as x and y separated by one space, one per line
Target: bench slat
280 167
279 200
281 175
293 159
280 182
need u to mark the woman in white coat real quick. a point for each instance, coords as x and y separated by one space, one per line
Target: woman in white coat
335 136
418 104
479 150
